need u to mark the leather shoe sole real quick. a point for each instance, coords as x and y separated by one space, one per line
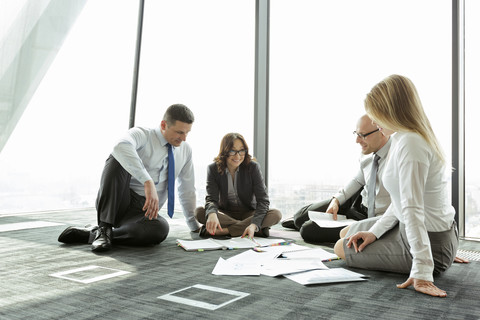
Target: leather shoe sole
288 223
74 235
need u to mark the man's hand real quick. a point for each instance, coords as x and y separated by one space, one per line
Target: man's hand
249 231
333 207
151 200
367 237
423 286
213 223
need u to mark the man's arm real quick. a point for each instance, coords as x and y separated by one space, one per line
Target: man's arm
125 152
186 191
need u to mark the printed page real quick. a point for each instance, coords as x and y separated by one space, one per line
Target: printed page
326 276
325 220
236 268
314 254
196 245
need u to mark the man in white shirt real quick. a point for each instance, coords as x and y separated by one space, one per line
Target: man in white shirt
134 184
352 199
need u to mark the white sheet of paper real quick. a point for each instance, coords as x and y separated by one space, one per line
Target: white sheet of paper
279 267
281 249
233 243
315 253
325 220
236 268
325 276
252 255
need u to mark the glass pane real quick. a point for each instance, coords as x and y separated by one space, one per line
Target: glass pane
205 61
472 114
55 155
323 62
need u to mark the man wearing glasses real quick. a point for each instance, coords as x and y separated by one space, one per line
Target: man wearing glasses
352 199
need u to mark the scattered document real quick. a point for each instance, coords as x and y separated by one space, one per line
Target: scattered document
233 243
236 268
326 276
278 267
252 255
325 220
315 254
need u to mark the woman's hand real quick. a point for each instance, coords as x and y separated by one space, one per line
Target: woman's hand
423 286
213 223
249 231
367 237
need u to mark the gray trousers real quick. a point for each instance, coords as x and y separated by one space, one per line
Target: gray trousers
391 252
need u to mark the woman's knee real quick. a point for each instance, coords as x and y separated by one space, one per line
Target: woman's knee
199 214
344 231
338 249
275 215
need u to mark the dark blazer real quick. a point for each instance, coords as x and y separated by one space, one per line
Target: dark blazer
251 190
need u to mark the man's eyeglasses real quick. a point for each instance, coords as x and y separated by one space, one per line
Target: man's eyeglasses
234 152
363 136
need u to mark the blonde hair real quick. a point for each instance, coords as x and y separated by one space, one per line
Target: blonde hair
394 104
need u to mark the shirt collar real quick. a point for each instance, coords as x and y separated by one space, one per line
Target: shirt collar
382 153
160 137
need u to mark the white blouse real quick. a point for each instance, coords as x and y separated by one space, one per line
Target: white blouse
417 182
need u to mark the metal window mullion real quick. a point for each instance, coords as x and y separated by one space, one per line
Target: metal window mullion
458 112
262 15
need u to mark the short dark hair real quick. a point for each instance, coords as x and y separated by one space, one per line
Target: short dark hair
178 112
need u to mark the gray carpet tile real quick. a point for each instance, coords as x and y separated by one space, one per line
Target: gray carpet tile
30 257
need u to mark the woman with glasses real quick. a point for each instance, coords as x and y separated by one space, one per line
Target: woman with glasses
237 202
417 235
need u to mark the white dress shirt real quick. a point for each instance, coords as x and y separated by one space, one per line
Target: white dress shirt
417 182
144 154
382 198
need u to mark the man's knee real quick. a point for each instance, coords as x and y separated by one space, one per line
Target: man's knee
310 232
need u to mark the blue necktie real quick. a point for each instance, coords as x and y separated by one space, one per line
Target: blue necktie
371 187
171 180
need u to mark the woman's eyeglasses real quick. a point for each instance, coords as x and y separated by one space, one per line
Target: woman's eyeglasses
239 152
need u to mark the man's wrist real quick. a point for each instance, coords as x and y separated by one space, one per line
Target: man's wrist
335 200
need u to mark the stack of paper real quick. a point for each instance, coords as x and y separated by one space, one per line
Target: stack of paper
233 243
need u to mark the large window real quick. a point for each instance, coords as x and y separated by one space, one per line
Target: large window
472 114
54 157
201 54
325 57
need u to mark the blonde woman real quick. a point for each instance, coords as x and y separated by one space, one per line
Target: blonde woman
417 235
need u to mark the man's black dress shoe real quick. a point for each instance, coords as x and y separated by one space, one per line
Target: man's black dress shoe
103 239
288 223
75 235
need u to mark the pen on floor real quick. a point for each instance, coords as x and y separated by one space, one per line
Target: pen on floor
331 259
283 243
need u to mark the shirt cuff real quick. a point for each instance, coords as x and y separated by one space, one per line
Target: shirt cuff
192 223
